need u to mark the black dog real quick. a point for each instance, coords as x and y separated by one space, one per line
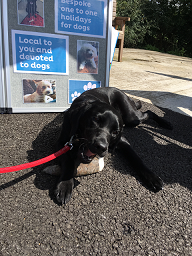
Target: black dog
96 121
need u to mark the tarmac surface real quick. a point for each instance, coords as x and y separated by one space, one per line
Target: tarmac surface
111 212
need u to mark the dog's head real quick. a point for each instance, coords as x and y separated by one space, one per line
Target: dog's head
44 87
99 128
88 51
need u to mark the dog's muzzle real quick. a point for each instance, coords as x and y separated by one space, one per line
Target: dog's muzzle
85 155
50 91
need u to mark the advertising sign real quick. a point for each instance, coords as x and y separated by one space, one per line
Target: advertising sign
85 18
40 53
52 52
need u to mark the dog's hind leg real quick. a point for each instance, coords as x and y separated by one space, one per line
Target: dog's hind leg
143 116
138 104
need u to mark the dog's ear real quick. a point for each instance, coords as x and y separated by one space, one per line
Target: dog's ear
69 127
39 90
74 120
77 111
71 120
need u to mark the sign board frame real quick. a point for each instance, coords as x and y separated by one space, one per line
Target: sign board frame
19 83
2 94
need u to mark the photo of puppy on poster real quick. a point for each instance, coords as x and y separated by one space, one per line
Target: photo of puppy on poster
43 91
87 56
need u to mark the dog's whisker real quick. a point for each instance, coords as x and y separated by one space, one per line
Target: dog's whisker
81 144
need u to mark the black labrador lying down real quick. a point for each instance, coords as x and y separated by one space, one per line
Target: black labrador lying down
96 120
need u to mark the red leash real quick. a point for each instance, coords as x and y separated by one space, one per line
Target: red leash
66 148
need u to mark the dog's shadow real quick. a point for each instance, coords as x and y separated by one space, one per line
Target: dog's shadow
167 153
44 145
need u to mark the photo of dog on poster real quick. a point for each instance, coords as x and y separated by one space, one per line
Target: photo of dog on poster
87 56
35 91
30 12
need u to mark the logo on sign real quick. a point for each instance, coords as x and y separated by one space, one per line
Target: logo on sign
76 88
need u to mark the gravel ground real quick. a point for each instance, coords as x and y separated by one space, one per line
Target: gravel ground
110 213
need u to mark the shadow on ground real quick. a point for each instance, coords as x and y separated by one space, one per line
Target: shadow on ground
167 153
176 102
44 145
171 76
110 213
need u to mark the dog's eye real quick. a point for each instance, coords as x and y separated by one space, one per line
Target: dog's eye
95 118
43 87
115 133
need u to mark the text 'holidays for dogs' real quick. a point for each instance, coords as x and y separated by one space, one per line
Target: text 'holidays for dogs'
81 17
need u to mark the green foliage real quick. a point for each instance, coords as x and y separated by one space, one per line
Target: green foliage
170 26
178 52
165 24
151 48
137 27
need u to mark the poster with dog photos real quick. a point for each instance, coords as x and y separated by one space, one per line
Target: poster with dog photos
87 56
39 91
77 87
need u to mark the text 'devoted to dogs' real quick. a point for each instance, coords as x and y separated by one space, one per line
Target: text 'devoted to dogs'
39 53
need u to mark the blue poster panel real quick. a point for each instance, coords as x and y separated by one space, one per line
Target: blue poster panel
77 87
85 18
40 53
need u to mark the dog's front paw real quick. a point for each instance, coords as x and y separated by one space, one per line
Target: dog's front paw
94 65
153 182
156 183
82 65
63 191
167 125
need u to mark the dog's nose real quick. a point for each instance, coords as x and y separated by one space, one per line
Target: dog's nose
100 146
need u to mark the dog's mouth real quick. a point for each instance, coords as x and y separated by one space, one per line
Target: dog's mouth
89 55
48 92
86 156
